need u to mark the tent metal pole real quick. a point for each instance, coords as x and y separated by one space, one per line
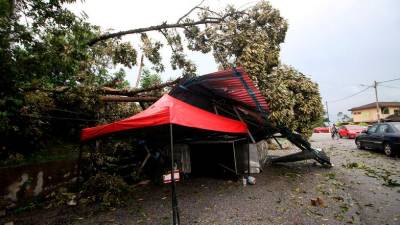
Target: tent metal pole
241 119
175 209
215 109
248 161
234 157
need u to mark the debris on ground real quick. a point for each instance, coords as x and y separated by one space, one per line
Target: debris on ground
107 190
317 202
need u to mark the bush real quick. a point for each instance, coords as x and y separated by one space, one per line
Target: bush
107 190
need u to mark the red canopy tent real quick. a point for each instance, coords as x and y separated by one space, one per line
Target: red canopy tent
169 110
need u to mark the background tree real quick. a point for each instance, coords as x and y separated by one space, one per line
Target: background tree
49 75
149 79
343 118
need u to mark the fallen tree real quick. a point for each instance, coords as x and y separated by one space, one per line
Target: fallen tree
133 92
129 99
49 64
249 38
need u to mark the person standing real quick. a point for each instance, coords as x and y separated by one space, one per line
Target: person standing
334 132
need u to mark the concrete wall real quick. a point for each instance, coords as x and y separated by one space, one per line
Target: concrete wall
370 115
19 184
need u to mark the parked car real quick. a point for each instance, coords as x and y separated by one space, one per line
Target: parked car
321 130
382 136
350 131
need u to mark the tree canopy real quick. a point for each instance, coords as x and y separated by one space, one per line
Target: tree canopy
49 74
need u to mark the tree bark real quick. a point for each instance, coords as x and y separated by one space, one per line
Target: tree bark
151 28
112 91
129 99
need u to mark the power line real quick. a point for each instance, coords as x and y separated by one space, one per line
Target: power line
350 96
388 80
390 86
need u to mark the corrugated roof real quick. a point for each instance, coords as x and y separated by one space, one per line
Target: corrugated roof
234 84
392 118
373 105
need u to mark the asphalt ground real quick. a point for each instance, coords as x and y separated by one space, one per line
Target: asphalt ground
363 187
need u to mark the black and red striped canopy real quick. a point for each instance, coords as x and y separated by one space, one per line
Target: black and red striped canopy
232 85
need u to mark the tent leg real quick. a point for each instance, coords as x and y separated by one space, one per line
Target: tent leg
234 158
241 119
175 209
248 161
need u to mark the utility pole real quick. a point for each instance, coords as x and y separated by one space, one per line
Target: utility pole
327 112
377 103
139 72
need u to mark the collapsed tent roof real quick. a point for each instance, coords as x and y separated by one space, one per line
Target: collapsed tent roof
231 85
213 102
230 93
168 110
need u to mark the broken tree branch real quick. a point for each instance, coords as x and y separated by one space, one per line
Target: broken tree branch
190 11
129 99
109 90
112 91
151 28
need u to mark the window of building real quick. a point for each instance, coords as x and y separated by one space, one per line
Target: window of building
385 110
397 112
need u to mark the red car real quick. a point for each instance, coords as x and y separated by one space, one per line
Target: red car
321 130
350 131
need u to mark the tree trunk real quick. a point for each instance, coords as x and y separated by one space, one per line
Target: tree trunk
112 91
129 99
152 28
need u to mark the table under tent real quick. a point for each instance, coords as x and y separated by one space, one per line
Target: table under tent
213 116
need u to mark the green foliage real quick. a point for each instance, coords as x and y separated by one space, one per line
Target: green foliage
151 51
178 57
338 124
248 38
107 190
47 67
56 152
321 122
252 39
50 75
294 100
343 117
117 157
149 79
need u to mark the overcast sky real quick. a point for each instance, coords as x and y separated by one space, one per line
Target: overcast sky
340 44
